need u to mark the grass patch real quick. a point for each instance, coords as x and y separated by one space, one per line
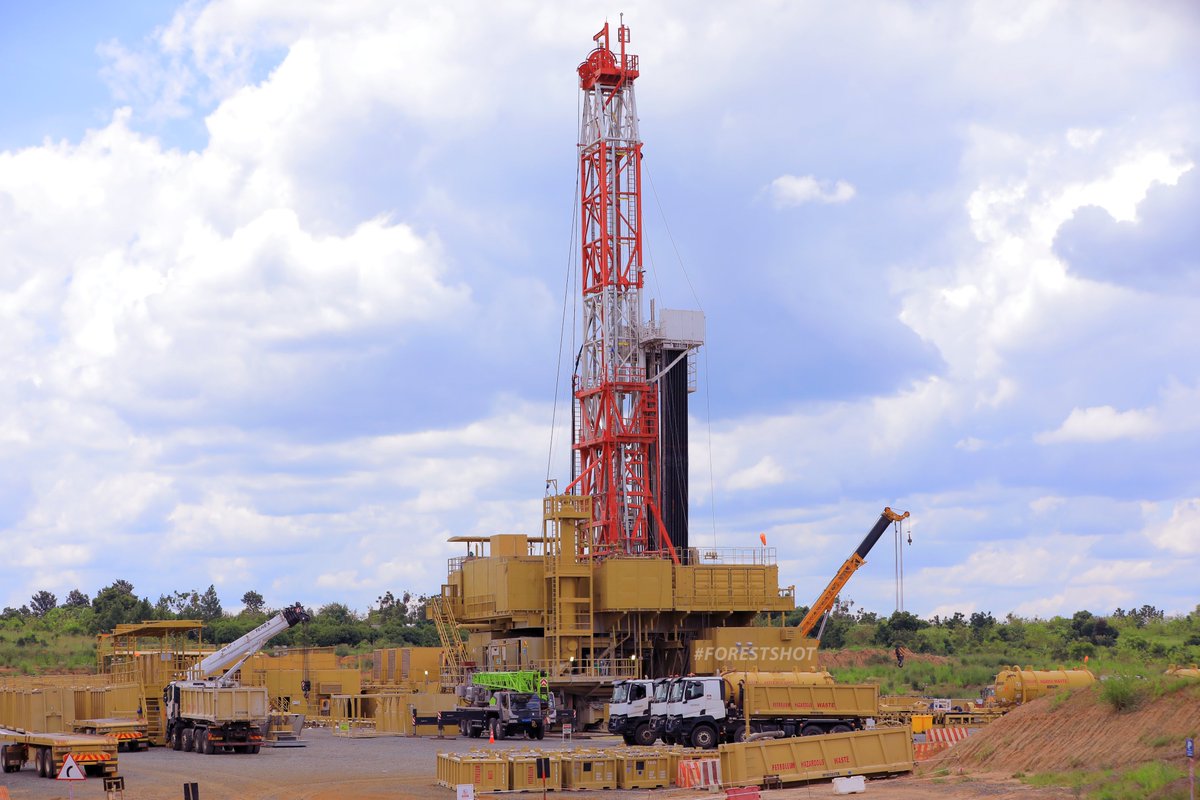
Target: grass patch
1160 741
1071 779
1121 693
1139 782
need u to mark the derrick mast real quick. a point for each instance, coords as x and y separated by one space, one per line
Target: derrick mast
616 405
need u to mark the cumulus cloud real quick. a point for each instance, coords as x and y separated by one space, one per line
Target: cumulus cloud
1102 424
793 190
1180 533
1158 250
316 324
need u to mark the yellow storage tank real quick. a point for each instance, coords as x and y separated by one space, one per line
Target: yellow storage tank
1015 685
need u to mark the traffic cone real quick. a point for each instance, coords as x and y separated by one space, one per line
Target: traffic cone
491 736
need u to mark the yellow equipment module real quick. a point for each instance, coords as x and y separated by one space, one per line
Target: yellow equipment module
807 758
1015 685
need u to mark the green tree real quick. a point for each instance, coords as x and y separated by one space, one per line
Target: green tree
43 602
253 602
77 599
117 604
208 605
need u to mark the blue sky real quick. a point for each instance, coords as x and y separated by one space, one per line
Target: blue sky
281 289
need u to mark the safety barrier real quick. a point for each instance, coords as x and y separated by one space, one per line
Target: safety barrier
698 773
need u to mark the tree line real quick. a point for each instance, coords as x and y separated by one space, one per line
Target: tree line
391 622
1145 632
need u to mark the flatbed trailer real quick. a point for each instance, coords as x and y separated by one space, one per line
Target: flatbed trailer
96 755
131 734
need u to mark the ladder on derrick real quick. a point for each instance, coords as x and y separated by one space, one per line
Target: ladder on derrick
569 623
454 652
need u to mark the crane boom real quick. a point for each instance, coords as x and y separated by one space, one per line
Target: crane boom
849 567
233 654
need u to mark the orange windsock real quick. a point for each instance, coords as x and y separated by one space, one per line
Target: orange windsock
762 537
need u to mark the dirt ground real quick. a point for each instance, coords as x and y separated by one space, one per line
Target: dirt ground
1080 732
399 768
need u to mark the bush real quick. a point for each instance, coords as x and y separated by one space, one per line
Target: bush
1122 693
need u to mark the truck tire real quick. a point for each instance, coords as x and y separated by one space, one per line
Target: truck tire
644 734
203 745
704 737
841 729
627 739
39 762
254 750
176 737
739 733
811 730
189 740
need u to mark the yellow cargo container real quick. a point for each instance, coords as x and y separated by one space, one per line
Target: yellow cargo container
808 758
486 772
522 771
591 769
643 769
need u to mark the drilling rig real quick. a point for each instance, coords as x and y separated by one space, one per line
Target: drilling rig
613 588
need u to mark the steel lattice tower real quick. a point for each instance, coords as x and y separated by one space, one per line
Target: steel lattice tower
616 424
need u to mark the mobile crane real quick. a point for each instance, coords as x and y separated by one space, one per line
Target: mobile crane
208 711
857 559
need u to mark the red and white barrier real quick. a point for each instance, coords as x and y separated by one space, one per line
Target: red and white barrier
699 773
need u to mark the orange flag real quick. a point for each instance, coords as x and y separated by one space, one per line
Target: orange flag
763 538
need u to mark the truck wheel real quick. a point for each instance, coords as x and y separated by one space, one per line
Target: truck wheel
189 739
841 729
644 734
254 750
812 730
203 745
541 733
176 739
627 739
704 737
39 762
739 733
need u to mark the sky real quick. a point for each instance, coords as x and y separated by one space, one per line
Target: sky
282 290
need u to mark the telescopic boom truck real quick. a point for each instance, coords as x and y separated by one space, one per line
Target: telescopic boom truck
209 712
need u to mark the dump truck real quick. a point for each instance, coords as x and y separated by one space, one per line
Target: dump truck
629 711
1015 685
209 712
93 754
706 711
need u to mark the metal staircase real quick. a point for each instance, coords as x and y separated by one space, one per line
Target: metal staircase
454 651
